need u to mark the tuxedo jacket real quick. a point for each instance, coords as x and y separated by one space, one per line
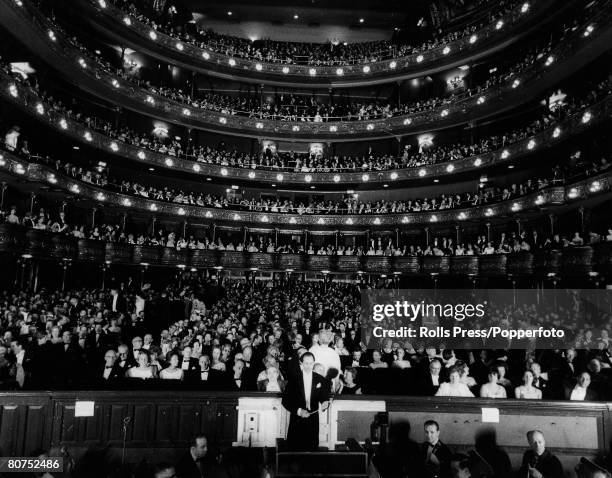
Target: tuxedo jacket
591 395
443 455
294 397
115 375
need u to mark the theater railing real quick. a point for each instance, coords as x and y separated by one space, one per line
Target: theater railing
546 197
579 48
579 262
29 100
501 33
158 425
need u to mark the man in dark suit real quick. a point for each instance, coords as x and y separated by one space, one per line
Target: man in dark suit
189 365
197 463
429 382
106 375
20 369
304 392
581 389
206 378
124 361
538 462
435 456
118 302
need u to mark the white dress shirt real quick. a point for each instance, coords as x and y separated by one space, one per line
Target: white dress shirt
307 387
578 393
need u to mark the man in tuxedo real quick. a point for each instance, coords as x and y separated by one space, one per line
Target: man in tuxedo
435 455
124 361
197 462
538 462
205 377
20 369
189 365
304 392
431 380
581 390
117 302
106 375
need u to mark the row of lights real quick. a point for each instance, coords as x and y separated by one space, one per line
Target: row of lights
339 71
586 117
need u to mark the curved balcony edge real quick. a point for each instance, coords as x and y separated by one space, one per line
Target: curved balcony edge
549 137
573 262
26 25
595 186
110 21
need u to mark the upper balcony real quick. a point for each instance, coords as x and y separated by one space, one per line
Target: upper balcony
580 47
395 64
530 143
596 188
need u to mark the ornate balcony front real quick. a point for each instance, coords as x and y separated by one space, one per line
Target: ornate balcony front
596 186
577 262
576 51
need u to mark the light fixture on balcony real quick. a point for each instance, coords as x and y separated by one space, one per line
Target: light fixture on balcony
224 172
422 172
141 155
153 35
127 21
365 178
169 162
196 168
473 39
339 71
393 65
477 162
407 121
393 176
499 24
312 72
366 69
285 70
114 147
206 55
251 174
446 50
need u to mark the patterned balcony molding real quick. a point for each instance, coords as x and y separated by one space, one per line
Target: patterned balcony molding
578 262
28 100
577 50
551 196
106 17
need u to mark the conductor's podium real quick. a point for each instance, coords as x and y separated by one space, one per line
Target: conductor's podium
339 463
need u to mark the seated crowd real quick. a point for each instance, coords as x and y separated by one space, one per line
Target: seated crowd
379 246
308 109
333 52
223 155
247 336
15 142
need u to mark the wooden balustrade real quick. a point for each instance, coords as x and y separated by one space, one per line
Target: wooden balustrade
570 262
158 425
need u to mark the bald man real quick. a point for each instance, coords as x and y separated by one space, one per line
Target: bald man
538 462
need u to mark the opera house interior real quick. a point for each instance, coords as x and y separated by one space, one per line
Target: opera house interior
200 199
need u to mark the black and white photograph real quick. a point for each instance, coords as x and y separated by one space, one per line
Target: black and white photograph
306 238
